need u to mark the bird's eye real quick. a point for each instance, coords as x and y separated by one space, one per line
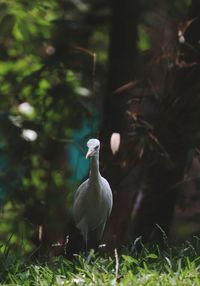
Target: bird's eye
96 147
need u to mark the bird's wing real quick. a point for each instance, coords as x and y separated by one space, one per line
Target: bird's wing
81 188
108 194
79 202
98 219
91 213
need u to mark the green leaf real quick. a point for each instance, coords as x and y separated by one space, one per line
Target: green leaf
152 256
144 39
130 259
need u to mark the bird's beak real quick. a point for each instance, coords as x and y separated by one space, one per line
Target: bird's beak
89 153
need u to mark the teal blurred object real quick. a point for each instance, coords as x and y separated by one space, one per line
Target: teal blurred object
77 150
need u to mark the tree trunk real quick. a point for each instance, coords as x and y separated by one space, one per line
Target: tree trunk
177 131
151 184
122 58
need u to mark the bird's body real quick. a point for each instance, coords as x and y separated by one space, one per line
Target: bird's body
93 199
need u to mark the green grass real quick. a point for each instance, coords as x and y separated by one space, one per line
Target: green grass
172 266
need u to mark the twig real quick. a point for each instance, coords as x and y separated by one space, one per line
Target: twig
68 141
65 244
94 59
116 267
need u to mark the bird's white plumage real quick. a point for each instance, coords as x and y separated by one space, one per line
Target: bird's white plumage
93 199
92 143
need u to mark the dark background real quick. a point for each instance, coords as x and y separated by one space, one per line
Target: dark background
71 70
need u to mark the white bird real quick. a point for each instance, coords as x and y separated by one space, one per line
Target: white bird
93 199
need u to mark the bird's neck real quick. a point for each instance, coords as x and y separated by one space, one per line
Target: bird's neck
94 168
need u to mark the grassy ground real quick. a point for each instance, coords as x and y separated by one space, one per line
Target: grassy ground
172 266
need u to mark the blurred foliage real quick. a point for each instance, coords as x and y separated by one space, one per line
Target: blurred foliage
144 40
43 92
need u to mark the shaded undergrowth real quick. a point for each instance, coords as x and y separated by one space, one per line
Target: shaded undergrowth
135 265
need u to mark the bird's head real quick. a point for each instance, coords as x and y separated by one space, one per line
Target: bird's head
93 148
